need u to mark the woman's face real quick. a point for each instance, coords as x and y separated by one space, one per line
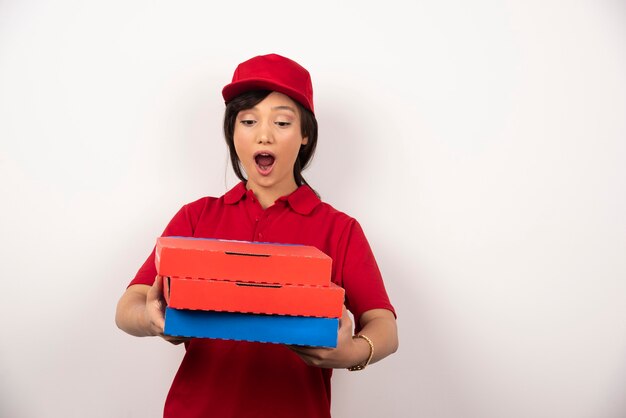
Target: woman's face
267 139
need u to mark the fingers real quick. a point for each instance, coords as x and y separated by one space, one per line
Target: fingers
345 321
156 291
300 349
158 282
174 340
345 326
158 320
312 356
330 357
155 307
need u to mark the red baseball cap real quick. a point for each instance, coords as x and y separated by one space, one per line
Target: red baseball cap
272 72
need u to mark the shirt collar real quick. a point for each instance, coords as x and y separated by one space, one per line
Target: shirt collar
303 200
235 194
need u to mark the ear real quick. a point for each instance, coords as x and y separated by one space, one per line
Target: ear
305 140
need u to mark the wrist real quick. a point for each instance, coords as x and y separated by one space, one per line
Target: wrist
365 352
144 324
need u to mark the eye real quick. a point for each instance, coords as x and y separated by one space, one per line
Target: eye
283 124
247 122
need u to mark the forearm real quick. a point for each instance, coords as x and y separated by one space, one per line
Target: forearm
130 315
379 325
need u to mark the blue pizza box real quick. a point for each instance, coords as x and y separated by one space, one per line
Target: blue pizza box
278 329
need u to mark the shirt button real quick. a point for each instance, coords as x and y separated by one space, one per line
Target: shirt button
260 235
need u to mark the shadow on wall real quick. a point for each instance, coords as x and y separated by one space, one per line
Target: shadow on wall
424 357
616 407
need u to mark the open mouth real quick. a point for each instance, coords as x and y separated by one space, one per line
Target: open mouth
264 162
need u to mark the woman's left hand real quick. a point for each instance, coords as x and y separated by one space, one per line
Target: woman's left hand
347 353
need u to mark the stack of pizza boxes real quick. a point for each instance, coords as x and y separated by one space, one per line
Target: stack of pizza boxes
248 291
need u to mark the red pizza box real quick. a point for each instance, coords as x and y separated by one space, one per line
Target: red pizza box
221 295
242 261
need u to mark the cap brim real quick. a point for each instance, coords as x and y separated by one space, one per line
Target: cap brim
233 90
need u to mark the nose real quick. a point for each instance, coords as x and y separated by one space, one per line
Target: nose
264 134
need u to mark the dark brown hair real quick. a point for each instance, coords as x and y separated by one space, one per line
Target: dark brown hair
308 128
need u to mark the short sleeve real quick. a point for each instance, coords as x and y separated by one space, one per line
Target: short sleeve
181 225
360 275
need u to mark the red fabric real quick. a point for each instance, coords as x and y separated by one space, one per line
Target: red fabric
242 379
272 72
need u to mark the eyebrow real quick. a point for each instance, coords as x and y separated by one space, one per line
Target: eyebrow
281 107
284 108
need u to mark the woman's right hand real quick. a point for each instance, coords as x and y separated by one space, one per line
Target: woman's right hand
154 312
141 311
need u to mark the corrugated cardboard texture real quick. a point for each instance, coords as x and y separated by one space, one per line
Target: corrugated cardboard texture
220 295
280 329
242 261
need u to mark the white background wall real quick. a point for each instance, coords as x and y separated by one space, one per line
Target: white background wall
481 144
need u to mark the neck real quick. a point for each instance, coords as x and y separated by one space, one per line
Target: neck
268 195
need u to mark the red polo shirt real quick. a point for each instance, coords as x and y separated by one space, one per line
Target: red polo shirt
219 378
